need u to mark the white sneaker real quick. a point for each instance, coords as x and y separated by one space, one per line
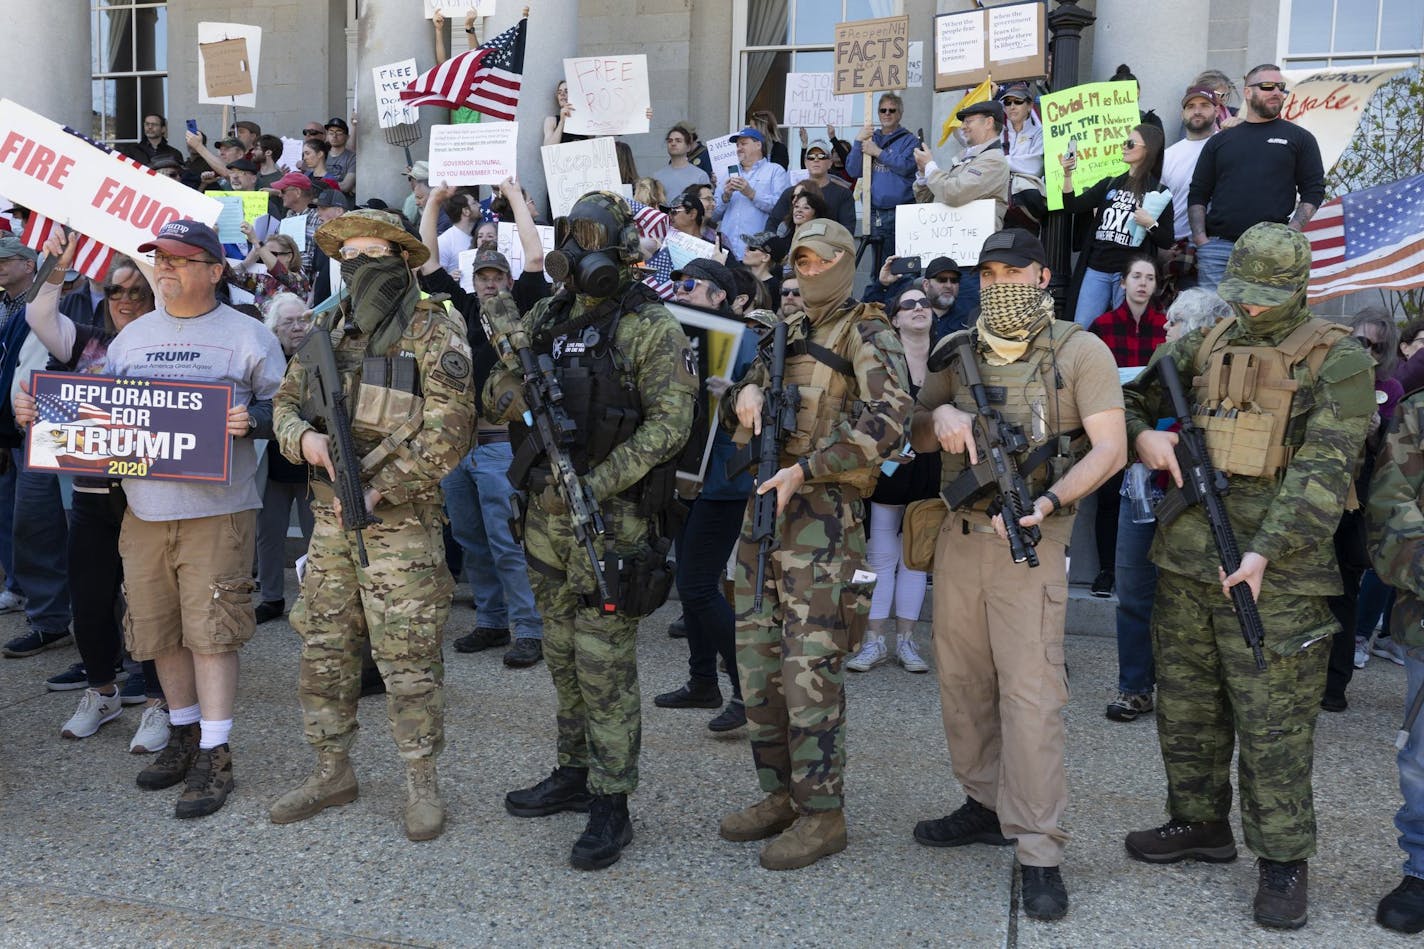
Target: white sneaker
871 654
1389 649
94 710
11 602
152 734
1362 652
909 656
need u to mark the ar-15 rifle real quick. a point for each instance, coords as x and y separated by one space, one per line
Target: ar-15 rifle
324 383
1203 484
995 442
778 419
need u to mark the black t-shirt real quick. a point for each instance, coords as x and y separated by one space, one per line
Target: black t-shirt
1113 203
1253 172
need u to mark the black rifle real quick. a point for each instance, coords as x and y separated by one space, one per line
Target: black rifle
1203 484
778 419
324 385
996 441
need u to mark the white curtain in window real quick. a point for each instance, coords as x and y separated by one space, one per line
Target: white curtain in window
880 8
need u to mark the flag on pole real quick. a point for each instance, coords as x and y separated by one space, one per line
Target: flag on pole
651 221
1368 240
485 79
980 93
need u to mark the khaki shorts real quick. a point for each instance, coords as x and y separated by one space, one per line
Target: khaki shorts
188 583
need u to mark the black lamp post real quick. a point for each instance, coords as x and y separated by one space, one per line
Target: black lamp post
1066 24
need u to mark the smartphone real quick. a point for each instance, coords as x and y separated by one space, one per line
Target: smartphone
193 126
905 265
1072 148
733 171
920 135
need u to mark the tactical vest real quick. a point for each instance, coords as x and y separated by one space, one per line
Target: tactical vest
1244 398
1026 393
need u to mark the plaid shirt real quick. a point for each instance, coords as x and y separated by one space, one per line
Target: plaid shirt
1131 342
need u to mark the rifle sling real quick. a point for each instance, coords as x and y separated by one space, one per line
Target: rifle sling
833 361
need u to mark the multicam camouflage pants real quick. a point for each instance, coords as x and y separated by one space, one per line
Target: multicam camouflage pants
1209 691
401 601
592 656
791 653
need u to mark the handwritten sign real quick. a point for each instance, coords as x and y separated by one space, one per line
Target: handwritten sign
872 55
609 95
252 203
474 154
915 71
573 169
1007 41
389 80
44 168
236 49
935 230
456 9
683 248
811 102
1328 103
1098 116
155 429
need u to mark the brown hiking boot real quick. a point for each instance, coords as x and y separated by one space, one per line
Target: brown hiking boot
173 762
1281 898
1206 840
812 837
332 783
424 811
208 783
766 818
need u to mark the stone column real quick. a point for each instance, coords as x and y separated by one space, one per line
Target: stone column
1065 25
58 86
1164 60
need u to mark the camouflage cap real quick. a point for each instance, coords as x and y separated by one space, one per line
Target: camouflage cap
1269 265
594 205
822 236
365 222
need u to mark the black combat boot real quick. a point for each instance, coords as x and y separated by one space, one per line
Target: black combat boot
566 789
698 693
1282 900
1402 909
972 823
609 830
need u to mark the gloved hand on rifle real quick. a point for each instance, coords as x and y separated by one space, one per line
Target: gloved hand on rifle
504 327
551 501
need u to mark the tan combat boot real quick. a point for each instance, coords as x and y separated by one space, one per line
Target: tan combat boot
809 839
332 783
424 811
767 817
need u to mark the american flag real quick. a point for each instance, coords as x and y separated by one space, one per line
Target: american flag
57 411
660 278
485 79
1368 240
651 221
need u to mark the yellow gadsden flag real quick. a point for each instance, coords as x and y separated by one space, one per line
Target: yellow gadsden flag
980 93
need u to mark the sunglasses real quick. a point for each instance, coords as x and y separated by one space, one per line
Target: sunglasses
818 156
686 284
946 278
1371 345
179 263
1129 145
132 294
312 132
907 305
790 293
1010 100
888 111
375 250
1270 86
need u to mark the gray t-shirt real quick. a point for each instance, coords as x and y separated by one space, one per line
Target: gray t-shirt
677 180
222 345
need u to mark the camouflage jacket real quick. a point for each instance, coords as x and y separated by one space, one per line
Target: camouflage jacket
411 470
1396 518
1289 520
661 365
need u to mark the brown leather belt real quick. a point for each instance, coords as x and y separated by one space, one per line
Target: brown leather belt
491 438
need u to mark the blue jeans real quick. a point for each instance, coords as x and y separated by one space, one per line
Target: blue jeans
1100 291
1410 819
477 500
1211 262
882 228
1376 601
1136 586
702 551
41 538
7 531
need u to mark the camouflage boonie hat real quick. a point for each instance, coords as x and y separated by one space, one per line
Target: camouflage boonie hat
365 222
627 238
1269 264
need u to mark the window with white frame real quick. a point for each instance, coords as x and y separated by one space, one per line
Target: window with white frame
129 66
1316 33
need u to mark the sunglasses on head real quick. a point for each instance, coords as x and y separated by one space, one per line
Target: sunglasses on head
1270 86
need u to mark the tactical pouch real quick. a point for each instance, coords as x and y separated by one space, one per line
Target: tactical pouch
640 582
657 490
920 531
800 442
387 396
1241 444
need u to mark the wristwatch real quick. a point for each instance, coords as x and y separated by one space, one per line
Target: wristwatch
469 31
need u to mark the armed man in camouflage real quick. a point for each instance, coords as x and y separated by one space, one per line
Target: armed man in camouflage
1396 518
627 381
406 367
1285 401
854 402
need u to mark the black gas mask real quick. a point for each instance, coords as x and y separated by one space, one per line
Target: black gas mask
588 247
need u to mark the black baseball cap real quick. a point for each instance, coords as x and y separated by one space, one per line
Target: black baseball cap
994 108
704 269
186 238
244 164
941 264
334 198
1013 246
338 123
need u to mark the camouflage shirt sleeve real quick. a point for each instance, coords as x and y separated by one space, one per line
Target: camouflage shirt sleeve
287 422
1145 399
665 373
1396 519
883 385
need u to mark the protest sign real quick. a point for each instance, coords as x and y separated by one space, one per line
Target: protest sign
1007 42
155 429
1328 103
507 242
389 80
721 152
230 221
872 55
63 177
296 229
291 153
609 95
252 203
811 103
230 73
915 71
935 230
573 169
456 9
1098 116
682 248
482 153
715 342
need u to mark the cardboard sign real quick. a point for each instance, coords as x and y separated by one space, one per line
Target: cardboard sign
225 38
156 429
1328 103
573 169
456 9
389 80
1007 42
811 102
872 55
609 95
935 230
1098 116
63 177
482 153
507 242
